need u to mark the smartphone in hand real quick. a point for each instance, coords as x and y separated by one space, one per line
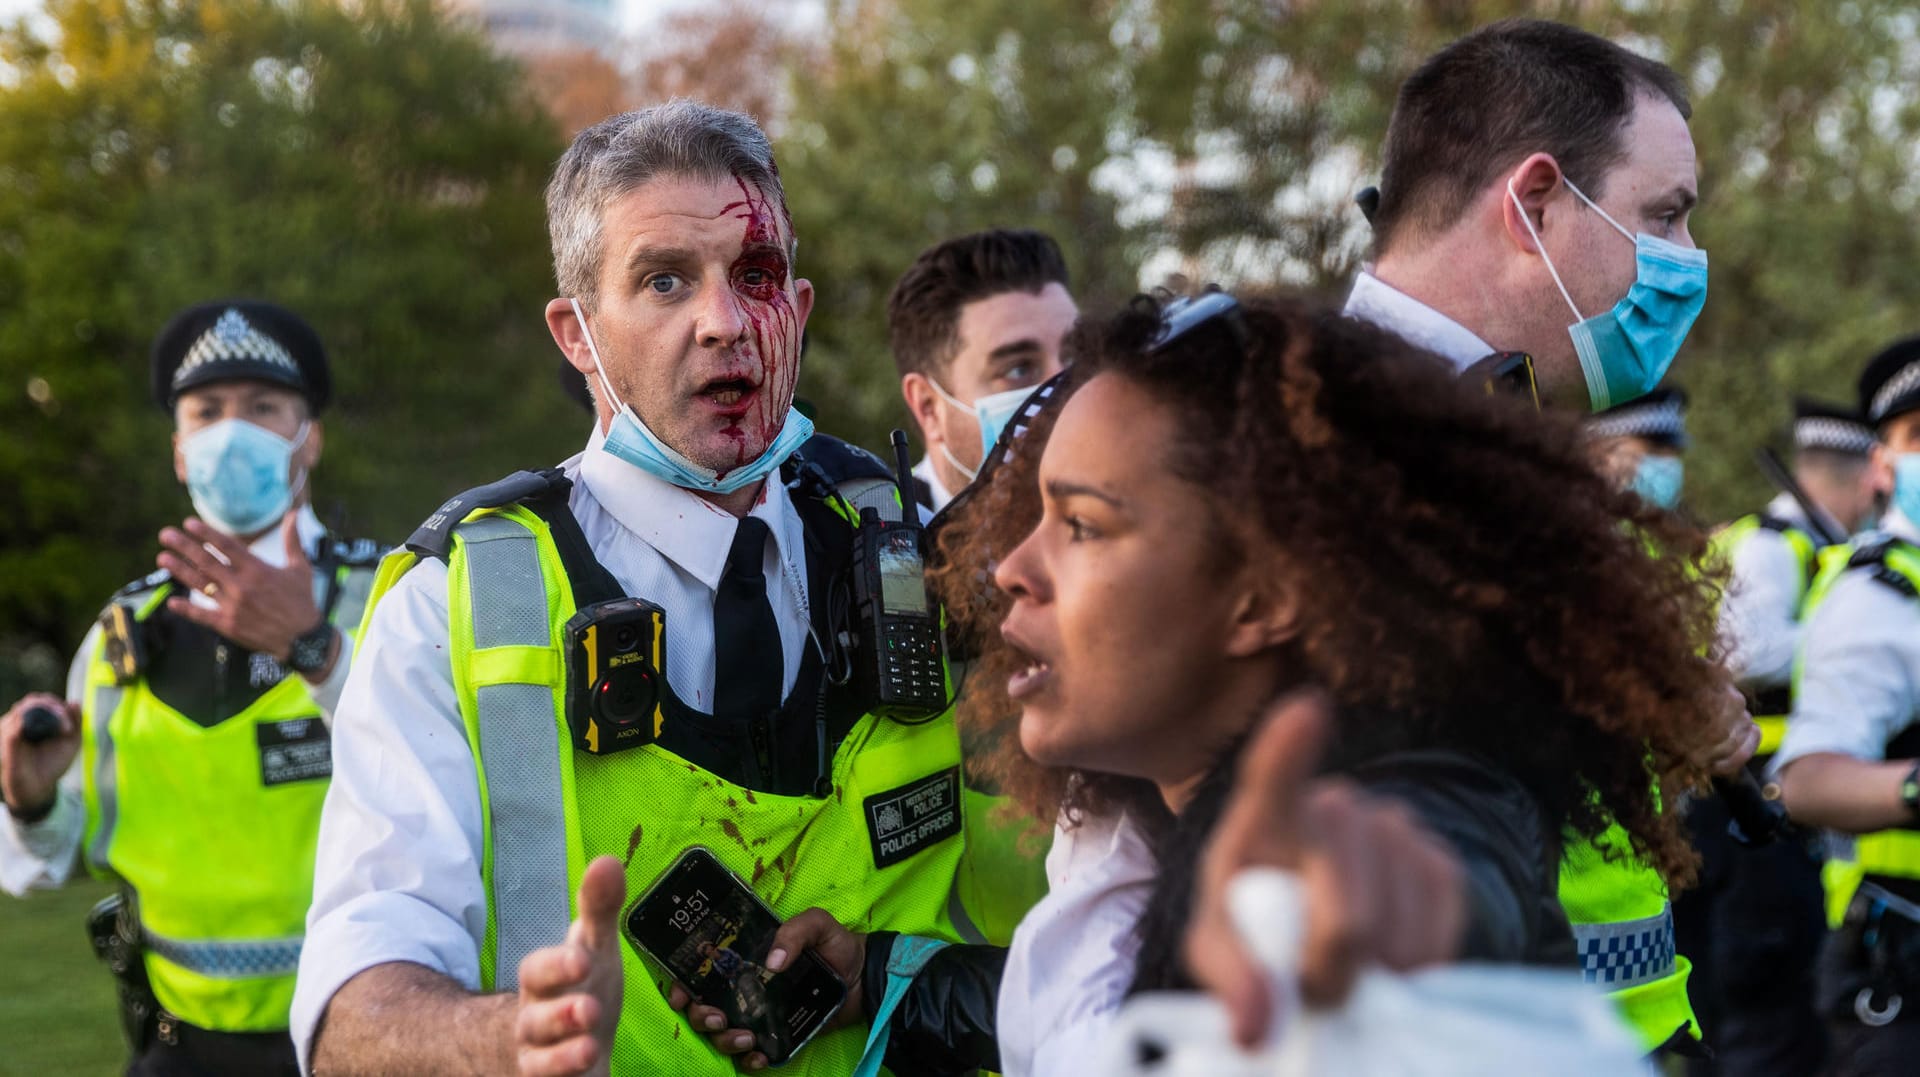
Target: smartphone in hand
712 932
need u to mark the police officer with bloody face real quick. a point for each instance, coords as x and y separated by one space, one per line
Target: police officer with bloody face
490 816
189 756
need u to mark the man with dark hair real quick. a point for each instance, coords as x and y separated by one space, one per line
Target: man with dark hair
975 323
1531 227
1534 199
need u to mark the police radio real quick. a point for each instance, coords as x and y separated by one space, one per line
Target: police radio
616 652
900 662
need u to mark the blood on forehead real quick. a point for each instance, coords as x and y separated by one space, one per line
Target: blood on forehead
776 326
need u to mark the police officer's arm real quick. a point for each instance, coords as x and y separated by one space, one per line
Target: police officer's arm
1757 616
40 829
256 605
400 1017
1856 693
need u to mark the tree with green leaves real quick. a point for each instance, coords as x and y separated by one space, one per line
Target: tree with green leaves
374 166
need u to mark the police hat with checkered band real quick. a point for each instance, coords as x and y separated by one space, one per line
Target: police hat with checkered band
1660 417
1890 387
1822 427
239 339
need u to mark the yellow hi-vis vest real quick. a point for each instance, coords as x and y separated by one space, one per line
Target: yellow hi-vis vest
548 810
1891 854
1623 929
211 828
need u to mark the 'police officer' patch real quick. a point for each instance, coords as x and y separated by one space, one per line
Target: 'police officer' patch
903 821
294 750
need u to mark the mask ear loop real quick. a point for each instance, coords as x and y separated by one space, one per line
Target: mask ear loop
599 370
1594 206
299 484
1554 273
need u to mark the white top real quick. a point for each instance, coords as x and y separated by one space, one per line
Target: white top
43 854
1860 679
925 473
1374 300
397 872
1759 616
1072 957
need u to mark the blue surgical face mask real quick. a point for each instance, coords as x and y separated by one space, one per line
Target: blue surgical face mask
238 475
992 412
1658 480
1626 351
629 439
1906 486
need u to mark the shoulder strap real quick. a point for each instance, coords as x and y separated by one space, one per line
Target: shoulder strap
434 538
1891 563
589 579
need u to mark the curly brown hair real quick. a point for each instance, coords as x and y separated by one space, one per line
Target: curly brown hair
1466 579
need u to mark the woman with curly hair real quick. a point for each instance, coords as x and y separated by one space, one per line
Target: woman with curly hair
1500 651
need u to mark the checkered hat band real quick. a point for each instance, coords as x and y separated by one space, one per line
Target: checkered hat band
229 960
233 340
1661 421
1901 384
1833 435
1626 953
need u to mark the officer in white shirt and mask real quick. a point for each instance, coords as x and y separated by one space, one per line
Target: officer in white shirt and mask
189 757
1531 226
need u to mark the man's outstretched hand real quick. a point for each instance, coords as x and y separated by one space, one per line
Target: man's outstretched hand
570 993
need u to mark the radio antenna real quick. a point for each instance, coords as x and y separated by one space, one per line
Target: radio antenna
902 474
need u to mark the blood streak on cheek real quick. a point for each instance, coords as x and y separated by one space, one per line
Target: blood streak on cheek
776 324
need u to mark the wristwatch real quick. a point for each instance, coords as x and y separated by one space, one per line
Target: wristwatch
1910 791
310 648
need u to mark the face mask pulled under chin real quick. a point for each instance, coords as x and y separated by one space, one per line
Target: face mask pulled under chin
1625 351
238 474
992 412
630 440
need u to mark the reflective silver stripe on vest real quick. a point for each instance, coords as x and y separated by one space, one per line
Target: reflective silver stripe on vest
1626 953
355 585
963 924
519 749
228 960
106 790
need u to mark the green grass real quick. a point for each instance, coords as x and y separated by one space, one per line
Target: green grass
56 1001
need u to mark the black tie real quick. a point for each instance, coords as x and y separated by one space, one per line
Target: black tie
747 663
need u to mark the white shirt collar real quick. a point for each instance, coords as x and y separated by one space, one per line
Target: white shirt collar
1785 507
925 473
1374 300
686 529
1895 523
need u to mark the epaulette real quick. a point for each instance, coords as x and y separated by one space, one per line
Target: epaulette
357 553
1873 557
434 538
1770 522
841 461
158 577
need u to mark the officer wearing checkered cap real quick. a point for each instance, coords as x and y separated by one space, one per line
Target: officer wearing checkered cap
1754 923
1639 445
1851 761
189 758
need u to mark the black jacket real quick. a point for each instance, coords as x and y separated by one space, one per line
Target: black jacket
1511 855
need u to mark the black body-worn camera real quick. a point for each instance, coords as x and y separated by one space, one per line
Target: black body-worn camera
900 663
616 657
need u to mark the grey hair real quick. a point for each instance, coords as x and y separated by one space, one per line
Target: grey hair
618 154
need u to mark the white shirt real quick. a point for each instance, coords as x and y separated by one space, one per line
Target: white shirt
1759 615
42 854
1073 955
397 871
1374 300
925 473
1860 679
